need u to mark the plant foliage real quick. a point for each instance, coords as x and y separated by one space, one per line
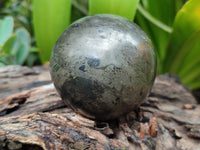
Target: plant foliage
177 50
14 47
184 45
164 12
6 29
125 8
172 25
50 19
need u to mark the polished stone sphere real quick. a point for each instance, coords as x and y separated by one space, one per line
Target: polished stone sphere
103 66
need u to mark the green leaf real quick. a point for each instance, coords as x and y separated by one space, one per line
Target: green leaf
1 64
125 8
153 20
160 14
50 19
186 23
2 56
184 46
193 76
190 62
21 53
195 84
17 46
32 59
34 50
6 29
188 56
10 45
23 36
7 59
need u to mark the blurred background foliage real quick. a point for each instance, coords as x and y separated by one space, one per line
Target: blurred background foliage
30 28
17 40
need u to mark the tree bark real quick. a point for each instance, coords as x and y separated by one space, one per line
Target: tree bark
33 117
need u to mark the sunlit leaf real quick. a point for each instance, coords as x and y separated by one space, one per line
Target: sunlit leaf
50 19
184 46
189 57
10 45
186 23
125 8
164 11
6 29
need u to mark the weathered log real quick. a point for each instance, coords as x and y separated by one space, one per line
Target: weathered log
33 116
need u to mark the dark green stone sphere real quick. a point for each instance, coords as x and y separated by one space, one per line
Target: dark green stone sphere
103 66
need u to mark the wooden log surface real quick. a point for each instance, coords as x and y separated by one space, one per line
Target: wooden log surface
33 117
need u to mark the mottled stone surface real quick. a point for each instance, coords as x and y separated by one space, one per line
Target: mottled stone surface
103 66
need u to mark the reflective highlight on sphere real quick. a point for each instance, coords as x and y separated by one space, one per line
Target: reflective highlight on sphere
103 66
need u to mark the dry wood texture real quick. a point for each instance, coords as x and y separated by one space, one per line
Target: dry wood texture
33 117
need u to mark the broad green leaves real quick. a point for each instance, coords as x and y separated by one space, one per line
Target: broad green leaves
50 19
9 46
125 8
6 29
24 45
184 46
175 34
177 50
16 48
164 11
